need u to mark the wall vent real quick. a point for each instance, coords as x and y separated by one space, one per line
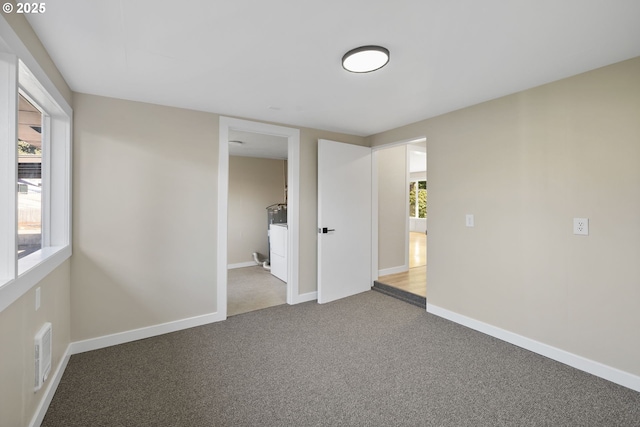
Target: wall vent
43 355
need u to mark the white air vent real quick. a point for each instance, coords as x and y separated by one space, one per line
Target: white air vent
43 355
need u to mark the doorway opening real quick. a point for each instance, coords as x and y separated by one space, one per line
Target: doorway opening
258 169
401 178
257 222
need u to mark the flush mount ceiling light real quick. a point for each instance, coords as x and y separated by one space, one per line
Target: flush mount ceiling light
365 59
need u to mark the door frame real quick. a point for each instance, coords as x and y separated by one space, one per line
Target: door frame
374 202
293 203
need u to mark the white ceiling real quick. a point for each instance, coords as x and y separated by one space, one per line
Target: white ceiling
249 144
279 60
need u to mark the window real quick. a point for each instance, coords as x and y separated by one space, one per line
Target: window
29 177
418 199
35 173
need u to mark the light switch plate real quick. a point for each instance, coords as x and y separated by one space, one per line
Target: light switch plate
470 222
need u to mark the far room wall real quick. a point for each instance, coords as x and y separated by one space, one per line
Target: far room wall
254 184
525 165
392 209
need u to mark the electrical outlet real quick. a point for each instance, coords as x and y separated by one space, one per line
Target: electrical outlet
581 226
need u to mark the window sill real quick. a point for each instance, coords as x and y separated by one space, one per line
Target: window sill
31 270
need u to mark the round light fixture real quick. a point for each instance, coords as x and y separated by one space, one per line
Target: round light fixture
365 59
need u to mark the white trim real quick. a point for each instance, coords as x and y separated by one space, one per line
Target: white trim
42 263
223 198
401 142
393 270
309 296
18 276
41 410
242 265
47 187
293 216
8 172
20 49
407 226
142 333
374 217
293 202
598 369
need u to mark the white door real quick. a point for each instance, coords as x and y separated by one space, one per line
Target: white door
344 220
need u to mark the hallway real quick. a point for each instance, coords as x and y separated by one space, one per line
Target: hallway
415 279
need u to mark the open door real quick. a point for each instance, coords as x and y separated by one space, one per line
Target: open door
344 220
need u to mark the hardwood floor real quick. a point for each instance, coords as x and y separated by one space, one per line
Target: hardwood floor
417 249
414 280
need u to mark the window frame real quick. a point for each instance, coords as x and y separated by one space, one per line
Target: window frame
20 72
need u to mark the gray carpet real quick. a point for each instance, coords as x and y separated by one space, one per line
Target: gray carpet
367 360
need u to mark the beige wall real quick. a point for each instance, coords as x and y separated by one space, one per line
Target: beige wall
392 207
19 324
525 165
145 197
144 215
20 321
254 184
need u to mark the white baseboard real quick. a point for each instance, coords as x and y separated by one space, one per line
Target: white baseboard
242 265
310 296
598 369
54 380
141 333
393 270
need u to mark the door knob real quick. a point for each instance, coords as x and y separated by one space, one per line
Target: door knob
325 230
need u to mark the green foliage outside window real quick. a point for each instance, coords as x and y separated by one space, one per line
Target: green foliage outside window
422 199
412 199
26 148
422 203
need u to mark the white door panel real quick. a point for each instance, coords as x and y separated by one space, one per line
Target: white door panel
344 205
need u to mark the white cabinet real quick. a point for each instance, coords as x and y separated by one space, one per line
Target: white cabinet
278 243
